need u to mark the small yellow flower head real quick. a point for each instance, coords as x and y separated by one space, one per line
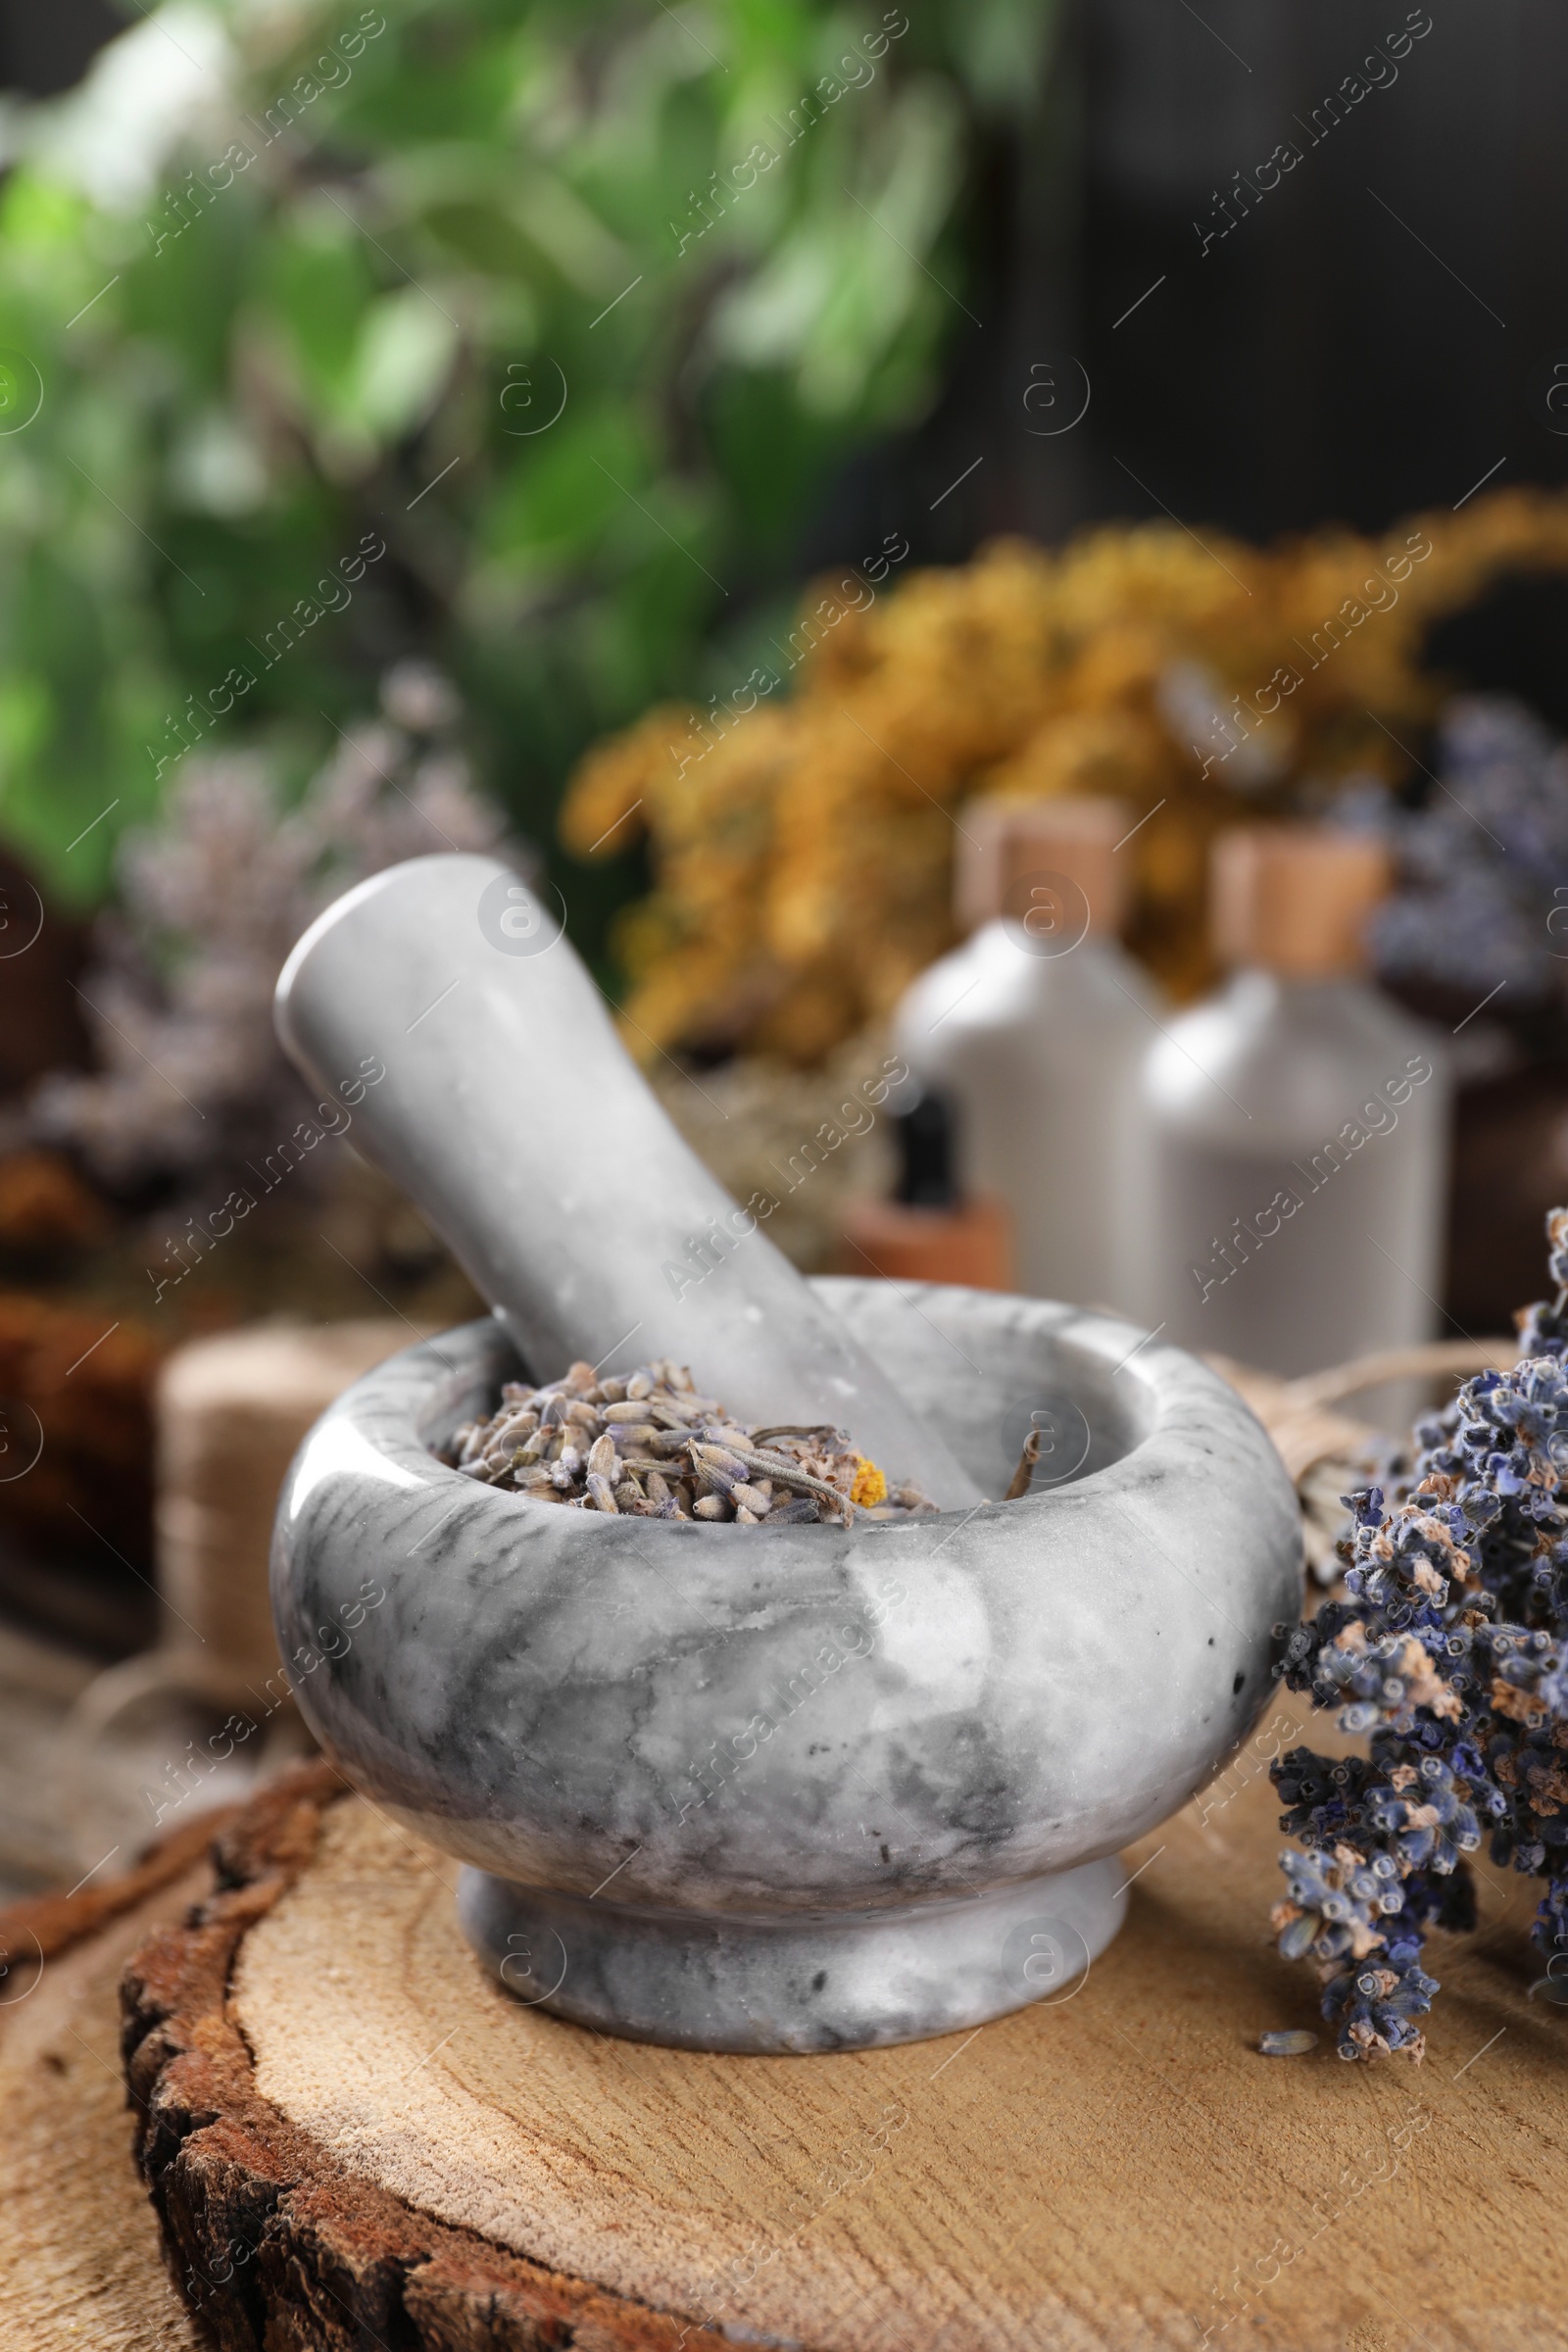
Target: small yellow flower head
871 1486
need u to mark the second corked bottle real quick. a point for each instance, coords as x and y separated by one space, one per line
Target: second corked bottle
1034 1029
1295 1181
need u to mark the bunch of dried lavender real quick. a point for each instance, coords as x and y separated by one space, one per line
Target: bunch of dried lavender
1452 1650
651 1446
1459 918
191 1081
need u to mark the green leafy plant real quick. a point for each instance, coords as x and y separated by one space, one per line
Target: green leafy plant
571 309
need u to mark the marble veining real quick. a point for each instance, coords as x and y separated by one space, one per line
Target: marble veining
700 1753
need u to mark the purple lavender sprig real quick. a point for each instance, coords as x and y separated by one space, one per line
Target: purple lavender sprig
1476 901
1450 1652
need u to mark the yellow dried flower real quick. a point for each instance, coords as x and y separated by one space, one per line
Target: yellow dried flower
802 851
871 1486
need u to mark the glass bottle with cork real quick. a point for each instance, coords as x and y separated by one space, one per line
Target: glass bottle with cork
1036 1029
1294 1183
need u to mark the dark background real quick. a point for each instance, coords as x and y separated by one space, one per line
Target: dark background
1326 361
45 48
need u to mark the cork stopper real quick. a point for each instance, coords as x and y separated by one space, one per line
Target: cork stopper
1295 899
1009 851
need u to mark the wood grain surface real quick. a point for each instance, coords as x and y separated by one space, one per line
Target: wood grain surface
1119 2168
297 2252
81 2263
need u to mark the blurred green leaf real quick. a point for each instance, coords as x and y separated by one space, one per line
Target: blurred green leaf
577 304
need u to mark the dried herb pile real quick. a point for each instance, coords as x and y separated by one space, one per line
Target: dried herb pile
1451 1649
651 1448
801 839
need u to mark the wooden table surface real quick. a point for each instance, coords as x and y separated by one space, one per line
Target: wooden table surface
81 2262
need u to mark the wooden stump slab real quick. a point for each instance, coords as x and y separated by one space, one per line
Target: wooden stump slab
296 2251
405 2155
81 2264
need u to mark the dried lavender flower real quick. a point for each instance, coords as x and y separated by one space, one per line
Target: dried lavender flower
1450 1652
684 1457
1478 865
192 1082
1289 2042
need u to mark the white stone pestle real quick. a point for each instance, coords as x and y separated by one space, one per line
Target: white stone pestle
512 1116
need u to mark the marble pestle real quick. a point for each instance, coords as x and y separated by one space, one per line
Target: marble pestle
511 1113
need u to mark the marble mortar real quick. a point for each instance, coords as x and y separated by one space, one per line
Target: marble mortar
799 1789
